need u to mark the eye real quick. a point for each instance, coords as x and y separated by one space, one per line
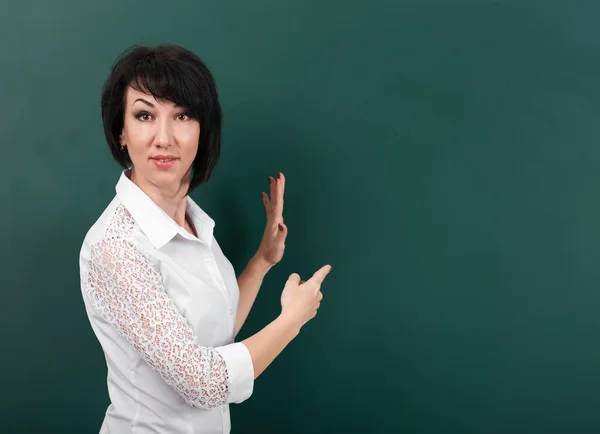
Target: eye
184 116
143 116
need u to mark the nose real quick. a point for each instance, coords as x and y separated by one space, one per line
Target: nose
164 134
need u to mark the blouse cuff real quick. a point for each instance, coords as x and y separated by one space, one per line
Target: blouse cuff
240 371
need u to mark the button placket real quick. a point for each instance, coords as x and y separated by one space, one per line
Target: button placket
218 279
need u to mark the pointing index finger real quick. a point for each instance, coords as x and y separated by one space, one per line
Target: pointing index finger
320 274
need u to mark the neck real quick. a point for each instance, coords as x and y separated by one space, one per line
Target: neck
172 201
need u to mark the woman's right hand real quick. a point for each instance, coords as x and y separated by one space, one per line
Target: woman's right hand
301 300
299 304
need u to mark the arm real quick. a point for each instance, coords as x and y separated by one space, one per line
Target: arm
249 283
299 304
267 344
127 291
269 252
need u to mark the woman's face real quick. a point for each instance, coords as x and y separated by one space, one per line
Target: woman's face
162 141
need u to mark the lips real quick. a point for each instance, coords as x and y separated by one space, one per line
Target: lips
164 158
164 161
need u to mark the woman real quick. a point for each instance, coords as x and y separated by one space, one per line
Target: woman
161 297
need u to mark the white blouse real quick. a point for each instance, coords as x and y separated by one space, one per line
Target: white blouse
162 303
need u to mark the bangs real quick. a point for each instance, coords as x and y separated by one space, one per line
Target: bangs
166 81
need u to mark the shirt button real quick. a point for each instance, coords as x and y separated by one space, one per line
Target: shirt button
224 409
230 311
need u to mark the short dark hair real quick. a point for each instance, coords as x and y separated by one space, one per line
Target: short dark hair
172 73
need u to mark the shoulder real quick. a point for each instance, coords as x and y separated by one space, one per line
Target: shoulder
113 227
113 253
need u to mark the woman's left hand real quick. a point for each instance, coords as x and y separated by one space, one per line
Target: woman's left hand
273 242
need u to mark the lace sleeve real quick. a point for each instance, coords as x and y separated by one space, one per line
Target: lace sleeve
124 287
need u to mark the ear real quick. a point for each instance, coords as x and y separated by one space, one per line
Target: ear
122 142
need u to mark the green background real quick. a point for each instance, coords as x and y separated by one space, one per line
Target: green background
441 155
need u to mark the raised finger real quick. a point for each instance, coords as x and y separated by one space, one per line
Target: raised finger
277 197
272 191
266 202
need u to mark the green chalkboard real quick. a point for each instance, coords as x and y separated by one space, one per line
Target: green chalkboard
443 156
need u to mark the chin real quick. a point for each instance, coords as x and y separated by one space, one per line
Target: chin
167 180
164 180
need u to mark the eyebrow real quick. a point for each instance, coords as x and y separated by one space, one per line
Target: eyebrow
148 102
144 101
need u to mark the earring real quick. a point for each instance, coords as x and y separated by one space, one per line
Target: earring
122 146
